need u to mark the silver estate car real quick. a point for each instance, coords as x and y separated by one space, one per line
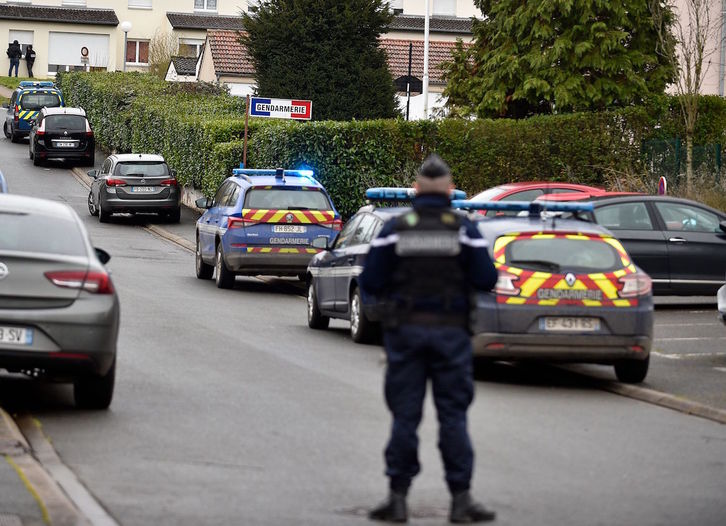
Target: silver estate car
59 312
131 183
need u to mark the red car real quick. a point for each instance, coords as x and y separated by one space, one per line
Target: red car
581 196
529 191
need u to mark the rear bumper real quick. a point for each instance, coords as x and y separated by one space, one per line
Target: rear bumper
564 348
276 263
111 203
79 339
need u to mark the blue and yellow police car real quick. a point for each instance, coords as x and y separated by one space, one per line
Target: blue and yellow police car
263 222
25 103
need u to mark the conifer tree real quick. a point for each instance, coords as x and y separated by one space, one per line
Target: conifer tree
326 51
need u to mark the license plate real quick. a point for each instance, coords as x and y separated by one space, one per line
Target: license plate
143 189
65 144
16 336
289 229
569 324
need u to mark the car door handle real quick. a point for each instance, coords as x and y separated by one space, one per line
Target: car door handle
351 259
677 240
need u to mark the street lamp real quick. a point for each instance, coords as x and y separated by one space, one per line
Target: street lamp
426 61
125 27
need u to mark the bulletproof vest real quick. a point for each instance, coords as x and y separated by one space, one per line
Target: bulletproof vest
429 270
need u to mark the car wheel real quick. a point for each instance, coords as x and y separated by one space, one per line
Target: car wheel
204 271
30 153
103 216
174 216
632 371
91 206
224 277
37 161
95 392
5 130
316 320
362 330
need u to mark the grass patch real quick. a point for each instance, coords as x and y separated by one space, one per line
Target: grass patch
12 82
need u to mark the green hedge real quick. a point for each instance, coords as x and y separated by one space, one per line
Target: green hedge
199 132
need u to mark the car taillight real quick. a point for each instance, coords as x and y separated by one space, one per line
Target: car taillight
16 114
89 131
169 182
41 129
337 224
93 282
235 222
115 182
638 284
506 284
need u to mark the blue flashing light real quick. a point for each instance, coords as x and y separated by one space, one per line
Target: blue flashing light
402 194
36 84
273 172
534 207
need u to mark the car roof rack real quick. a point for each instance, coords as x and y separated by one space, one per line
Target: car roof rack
393 194
534 208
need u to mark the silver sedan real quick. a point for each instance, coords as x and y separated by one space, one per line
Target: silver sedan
59 312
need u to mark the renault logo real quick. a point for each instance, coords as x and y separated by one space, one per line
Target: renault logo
4 271
570 279
65 133
289 218
143 181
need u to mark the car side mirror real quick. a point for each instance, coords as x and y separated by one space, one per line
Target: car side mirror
173 173
722 225
321 242
203 202
103 256
92 173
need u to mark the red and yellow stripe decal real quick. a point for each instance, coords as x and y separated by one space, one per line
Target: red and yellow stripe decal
530 282
304 217
279 250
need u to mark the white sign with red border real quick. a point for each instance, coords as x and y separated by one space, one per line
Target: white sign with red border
301 110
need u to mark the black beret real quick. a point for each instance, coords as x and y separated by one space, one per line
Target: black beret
434 167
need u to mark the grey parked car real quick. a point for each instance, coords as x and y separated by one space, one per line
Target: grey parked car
722 304
59 313
131 183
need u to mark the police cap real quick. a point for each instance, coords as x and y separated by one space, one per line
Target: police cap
434 167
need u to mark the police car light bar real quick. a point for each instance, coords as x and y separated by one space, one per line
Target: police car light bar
36 84
534 207
402 194
272 171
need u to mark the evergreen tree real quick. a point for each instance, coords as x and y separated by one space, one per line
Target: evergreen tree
326 51
545 56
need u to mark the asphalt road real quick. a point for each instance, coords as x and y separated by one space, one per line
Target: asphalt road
229 410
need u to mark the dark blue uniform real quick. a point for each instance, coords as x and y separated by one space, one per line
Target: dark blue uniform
425 264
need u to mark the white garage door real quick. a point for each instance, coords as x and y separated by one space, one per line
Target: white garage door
64 49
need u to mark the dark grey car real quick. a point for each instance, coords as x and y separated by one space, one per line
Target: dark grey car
131 183
59 313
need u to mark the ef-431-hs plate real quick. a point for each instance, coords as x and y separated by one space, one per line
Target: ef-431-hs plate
289 229
65 144
569 324
16 335
143 189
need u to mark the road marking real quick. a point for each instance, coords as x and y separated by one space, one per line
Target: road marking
31 489
62 474
680 356
686 324
720 369
691 339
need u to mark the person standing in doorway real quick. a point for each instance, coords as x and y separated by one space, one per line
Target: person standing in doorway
14 52
30 59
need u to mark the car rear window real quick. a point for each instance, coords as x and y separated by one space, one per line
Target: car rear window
142 169
41 233
563 254
286 199
35 101
65 122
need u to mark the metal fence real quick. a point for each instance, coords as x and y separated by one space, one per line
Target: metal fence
668 158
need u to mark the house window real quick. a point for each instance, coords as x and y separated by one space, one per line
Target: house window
252 5
205 5
137 52
80 3
445 7
396 6
190 47
143 4
23 37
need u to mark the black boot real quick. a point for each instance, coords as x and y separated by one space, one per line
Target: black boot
464 509
393 509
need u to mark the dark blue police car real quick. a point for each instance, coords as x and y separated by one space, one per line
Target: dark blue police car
25 104
263 222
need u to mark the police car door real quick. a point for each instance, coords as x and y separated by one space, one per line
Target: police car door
210 222
329 275
350 260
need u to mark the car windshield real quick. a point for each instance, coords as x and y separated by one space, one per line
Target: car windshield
36 101
488 195
562 254
40 233
286 199
65 122
142 169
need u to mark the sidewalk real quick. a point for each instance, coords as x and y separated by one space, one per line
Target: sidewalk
20 504
5 92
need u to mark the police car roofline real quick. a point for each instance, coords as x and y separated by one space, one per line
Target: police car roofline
397 194
534 208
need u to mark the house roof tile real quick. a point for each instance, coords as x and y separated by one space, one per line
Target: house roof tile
72 15
199 21
186 66
397 51
437 24
229 55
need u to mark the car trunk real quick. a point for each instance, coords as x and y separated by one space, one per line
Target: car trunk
149 180
65 133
